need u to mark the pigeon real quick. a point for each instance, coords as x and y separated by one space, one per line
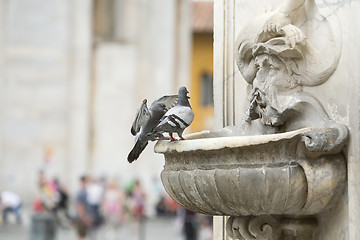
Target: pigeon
177 118
145 121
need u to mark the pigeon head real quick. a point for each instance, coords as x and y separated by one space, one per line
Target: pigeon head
183 97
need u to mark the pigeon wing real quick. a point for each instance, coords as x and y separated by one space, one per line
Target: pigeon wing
169 101
142 116
179 117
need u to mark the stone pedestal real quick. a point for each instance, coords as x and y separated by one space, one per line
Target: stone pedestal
342 220
284 74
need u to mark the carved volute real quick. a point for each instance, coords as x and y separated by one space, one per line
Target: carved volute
284 163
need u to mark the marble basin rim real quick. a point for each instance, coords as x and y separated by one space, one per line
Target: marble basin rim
196 141
251 175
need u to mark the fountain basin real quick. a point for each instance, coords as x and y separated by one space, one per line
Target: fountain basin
253 175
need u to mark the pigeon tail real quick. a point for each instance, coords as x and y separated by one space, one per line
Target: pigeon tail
136 151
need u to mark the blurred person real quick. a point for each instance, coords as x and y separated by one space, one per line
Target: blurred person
10 202
166 206
37 205
206 229
63 198
138 199
190 225
113 204
128 205
138 196
60 209
161 207
129 188
83 211
48 192
179 220
94 197
171 205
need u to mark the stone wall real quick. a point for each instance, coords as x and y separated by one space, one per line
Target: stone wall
37 78
339 96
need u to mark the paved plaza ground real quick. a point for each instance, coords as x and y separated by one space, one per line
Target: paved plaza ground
154 229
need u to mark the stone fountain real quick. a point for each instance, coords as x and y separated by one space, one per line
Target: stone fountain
284 162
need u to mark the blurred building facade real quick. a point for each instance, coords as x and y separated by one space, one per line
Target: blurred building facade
202 65
73 73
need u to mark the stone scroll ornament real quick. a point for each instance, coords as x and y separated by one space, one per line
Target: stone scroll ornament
259 227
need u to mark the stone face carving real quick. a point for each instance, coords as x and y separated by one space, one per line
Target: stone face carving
298 35
285 159
281 53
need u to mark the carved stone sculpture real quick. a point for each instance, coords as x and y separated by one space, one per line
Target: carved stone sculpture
285 160
259 227
278 55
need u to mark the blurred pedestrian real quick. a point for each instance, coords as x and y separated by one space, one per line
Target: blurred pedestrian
138 196
95 192
60 209
160 207
190 225
10 202
48 192
205 229
83 212
113 204
171 205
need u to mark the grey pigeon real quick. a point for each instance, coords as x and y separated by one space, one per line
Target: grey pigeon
177 118
145 121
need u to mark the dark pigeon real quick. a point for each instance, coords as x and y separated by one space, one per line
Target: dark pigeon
145 121
177 118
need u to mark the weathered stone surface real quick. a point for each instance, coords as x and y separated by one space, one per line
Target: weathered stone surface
265 227
261 227
251 175
285 155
